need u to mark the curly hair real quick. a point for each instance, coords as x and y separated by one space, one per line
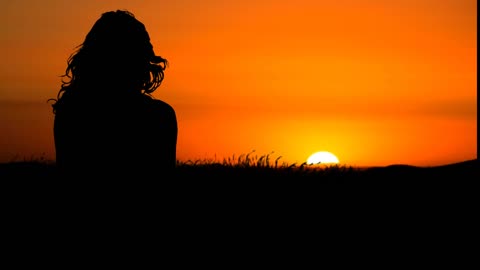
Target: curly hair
116 53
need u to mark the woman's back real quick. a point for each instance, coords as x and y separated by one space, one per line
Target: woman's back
116 137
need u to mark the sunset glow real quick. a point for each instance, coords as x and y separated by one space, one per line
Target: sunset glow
376 82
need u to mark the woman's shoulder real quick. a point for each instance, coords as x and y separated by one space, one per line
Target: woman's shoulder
159 106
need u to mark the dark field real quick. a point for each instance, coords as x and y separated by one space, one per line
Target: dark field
258 172
251 175
246 195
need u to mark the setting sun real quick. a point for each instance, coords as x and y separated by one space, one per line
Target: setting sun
322 157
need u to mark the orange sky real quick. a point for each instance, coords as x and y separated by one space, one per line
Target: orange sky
375 82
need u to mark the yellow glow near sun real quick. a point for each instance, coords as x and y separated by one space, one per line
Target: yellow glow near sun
322 157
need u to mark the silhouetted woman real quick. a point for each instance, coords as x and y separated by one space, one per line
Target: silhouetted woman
106 122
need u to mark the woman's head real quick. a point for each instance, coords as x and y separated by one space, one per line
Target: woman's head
115 56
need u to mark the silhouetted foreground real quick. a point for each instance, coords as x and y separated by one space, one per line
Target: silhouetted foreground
419 209
199 193
46 172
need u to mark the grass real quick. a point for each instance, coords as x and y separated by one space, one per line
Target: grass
259 183
253 167
261 166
